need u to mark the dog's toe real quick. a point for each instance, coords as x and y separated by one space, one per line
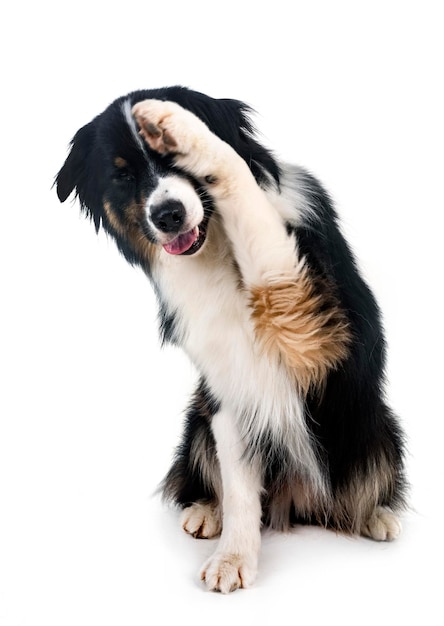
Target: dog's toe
228 572
202 520
383 525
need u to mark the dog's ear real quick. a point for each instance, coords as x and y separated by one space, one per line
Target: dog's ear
77 173
72 174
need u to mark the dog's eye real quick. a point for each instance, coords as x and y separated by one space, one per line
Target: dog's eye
123 175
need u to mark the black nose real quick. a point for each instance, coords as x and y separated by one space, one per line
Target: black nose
168 216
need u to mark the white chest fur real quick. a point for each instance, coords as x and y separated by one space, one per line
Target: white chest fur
215 329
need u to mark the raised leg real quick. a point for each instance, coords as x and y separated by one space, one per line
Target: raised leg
168 128
297 319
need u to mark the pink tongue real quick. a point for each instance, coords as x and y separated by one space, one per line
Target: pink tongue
182 243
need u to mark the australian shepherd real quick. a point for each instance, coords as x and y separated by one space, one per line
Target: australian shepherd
288 423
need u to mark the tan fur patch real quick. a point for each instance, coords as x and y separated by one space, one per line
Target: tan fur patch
301 323
129 229
119 162
113 219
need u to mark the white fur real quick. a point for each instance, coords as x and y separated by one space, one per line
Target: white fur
249 245
126 110
202 520
289 200
175 188
234 563
220 340
383 525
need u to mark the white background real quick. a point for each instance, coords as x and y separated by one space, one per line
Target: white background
91 409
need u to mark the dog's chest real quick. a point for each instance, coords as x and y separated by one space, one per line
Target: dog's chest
213 325
210 307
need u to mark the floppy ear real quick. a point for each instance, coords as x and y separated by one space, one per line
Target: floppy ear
72 173
77 173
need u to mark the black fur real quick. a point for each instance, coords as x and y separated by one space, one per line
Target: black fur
351 424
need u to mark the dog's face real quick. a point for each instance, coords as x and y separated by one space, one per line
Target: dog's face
146 201
139 197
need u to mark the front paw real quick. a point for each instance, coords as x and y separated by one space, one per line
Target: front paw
227 572
170 129
167 127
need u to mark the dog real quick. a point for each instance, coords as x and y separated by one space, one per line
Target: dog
289 422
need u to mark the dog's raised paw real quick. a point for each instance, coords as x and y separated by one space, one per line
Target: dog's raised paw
166 126
202 520
169 129
227 572
383 525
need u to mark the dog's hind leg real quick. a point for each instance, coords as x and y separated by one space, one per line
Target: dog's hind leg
202 520
367 504
194 482
383 525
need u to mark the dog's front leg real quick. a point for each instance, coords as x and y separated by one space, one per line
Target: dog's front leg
296 320
234 563
263 249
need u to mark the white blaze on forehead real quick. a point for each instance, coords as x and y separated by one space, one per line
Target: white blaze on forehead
174 187
126 107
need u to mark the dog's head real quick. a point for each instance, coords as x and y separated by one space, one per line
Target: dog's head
139 197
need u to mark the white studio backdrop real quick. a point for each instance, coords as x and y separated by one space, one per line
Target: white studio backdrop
91 408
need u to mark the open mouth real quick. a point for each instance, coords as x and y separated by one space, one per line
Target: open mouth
188 243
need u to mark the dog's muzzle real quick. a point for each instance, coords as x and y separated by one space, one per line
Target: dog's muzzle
170 218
